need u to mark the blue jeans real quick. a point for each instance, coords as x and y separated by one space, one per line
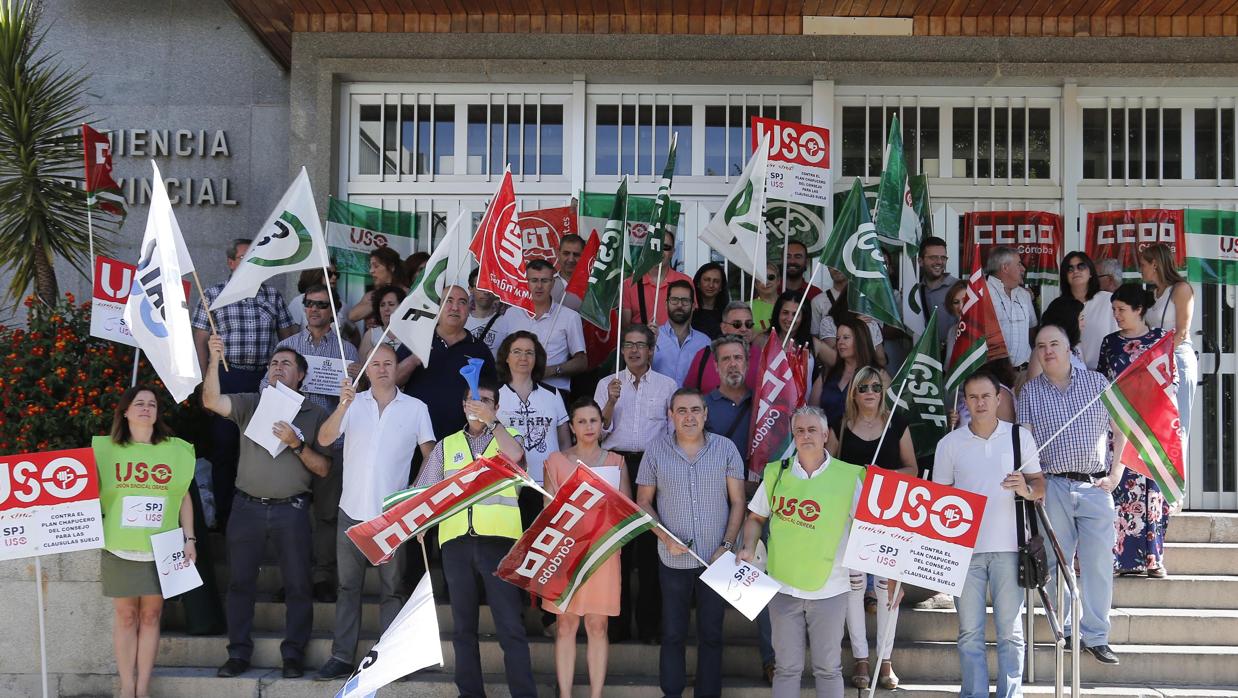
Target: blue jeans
1188 377
677 591
468 567
996 573
1082 516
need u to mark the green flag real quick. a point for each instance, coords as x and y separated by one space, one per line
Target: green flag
354 231
923 398
1212 246
651 251
898 225
606 274
921 204
595 210
853 249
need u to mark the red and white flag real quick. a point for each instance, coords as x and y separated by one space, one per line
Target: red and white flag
587 521
781 391
1143 403
379 537
499 249
102 191
979 338
579 282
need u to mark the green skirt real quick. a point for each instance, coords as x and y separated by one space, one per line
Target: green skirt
126 578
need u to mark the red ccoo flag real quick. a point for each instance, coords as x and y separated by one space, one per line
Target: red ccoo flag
778 395
101 190
499 249
580 275
979 335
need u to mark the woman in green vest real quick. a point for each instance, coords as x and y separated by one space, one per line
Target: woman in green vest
144 478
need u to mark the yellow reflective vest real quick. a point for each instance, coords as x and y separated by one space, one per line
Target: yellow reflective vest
497 515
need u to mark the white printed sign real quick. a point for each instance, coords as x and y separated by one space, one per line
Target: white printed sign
49 503
177 574
914 530
799 161
743 586
324 375
113 279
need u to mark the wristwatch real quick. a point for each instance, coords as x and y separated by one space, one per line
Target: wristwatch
299 448
728 545
492 425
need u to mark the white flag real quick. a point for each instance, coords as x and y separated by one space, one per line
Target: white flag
157 311
413 323
290 240
409 644
736 231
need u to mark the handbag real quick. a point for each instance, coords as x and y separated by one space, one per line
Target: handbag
1033 558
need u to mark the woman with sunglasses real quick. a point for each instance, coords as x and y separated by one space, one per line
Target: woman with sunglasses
766 297
598 598
1079 280
712 297
854 439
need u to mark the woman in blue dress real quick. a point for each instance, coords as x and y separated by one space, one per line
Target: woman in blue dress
1142 512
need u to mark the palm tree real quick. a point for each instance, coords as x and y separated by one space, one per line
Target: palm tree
42 208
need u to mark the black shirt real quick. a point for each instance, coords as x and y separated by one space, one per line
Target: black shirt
853 449
440 384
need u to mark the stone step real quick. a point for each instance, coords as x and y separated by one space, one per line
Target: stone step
1129 625
919 661
268 683
1181 591
1202 527
1201 558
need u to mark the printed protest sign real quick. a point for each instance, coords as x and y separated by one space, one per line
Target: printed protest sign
177 574
324 375
113 279
743 586
49 503
799 161
914 530
1121 235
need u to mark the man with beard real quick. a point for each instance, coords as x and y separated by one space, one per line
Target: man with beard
797 264
678 343
485 313
642 297
571 247
737 322
936 282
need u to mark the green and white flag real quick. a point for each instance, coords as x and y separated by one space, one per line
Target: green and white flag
606 274
650 254
854 249
291 240
1212 246
735 231
354 231
595 210
923 399
898 224
414 321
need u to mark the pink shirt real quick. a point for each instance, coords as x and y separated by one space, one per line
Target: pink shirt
710 380
631 302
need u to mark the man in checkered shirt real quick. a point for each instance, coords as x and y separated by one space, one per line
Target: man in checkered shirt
1081 476
250 329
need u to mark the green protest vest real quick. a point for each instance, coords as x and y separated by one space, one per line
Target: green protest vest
497 515
140 489
807 521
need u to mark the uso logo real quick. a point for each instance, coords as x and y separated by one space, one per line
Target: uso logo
793 142
54 477
917 506
806 510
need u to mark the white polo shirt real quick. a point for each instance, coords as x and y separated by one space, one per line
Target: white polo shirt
561 339
537 420
378 450
1016 315
839 581
979 465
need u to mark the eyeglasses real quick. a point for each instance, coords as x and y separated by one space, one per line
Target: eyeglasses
1077 266
679 301
321 305
770 278
333 273
870 388
636 345
741 323
523 353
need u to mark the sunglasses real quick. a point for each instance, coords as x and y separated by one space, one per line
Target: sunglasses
741 323
870 388
1077 266
321 305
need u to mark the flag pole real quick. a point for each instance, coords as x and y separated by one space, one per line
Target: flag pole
786 242
891 624
816 267
756 263
209 317
377 344
890 419
90 231
1071 420
137 354
38 591
657 287
335 318
554 317
622 255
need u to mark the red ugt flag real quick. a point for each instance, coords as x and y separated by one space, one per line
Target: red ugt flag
1142 403
101 189
979 336
587 521
579 282
778 395
379 537
499 249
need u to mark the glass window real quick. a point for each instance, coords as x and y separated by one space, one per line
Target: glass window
1004 142
550 139
607 140
853 141
964 135
1211 131
715 142
369 138
920 132
1094 134
391 129
421 124
1133 140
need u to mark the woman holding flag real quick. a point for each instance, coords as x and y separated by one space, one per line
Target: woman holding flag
598 598
1142 510
133 511
1173 306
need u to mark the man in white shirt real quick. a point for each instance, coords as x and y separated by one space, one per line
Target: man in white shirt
485 312
382 427
634 408
807 544
557 328
1012 302
980 458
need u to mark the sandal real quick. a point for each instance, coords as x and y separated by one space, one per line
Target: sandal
1158 572
860 679
888 681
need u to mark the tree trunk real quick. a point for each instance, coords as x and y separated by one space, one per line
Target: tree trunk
45 285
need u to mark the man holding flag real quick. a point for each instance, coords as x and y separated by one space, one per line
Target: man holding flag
473 543
1062 408
806 548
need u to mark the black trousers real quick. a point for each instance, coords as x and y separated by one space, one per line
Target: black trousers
226 441
639 557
